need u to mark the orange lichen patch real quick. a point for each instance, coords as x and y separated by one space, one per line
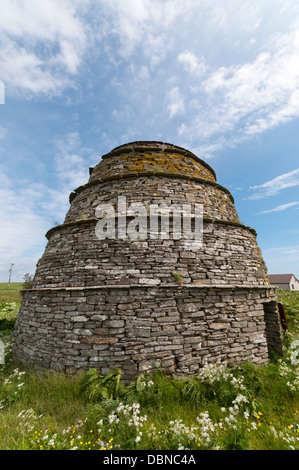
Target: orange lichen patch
164 162
154 161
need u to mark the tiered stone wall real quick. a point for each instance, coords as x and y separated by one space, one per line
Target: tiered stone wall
217 202
102 303
156 157
75 257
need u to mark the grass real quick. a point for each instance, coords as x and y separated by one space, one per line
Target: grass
10 294
178 277
245 407
290 300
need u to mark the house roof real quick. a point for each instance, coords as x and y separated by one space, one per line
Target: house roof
280 278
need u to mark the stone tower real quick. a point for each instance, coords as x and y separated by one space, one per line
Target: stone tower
135 302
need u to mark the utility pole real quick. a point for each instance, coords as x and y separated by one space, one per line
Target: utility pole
10 272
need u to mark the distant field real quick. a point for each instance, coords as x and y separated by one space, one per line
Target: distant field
13 286
12 293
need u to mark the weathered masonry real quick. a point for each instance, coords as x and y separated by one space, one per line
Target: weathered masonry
134 303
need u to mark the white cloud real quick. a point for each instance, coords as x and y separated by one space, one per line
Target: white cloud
191 63
42 45
207 151
3 132
264 92
280 208
22 228
282 259
244 17
71 166
145 23
176 103
2 93
274 186
30 208
241 100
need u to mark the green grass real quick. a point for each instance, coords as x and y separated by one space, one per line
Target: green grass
246 407
12 293
290 300
13 287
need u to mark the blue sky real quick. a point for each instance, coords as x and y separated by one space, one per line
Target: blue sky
82 77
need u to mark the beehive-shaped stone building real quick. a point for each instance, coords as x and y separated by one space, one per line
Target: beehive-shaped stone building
135 302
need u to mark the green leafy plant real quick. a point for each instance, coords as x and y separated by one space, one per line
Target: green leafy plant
28 278
290 300
99 387
8 316
178 277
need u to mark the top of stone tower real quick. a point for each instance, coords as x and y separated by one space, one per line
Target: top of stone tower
143 157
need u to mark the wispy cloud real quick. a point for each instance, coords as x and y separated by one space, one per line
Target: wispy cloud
282 259
2 92
22 227
143 24
237 101
192 64
279 208
44 44
276 185
32 207
176 103
71 164
2 132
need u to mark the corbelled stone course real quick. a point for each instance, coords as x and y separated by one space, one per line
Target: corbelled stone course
75 257
177 327
102 303
152 157
217 202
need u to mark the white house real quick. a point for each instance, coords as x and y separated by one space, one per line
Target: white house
284 281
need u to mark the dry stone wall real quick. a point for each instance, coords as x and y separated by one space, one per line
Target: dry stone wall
160 157
152 189
175 328
148 302
75 257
